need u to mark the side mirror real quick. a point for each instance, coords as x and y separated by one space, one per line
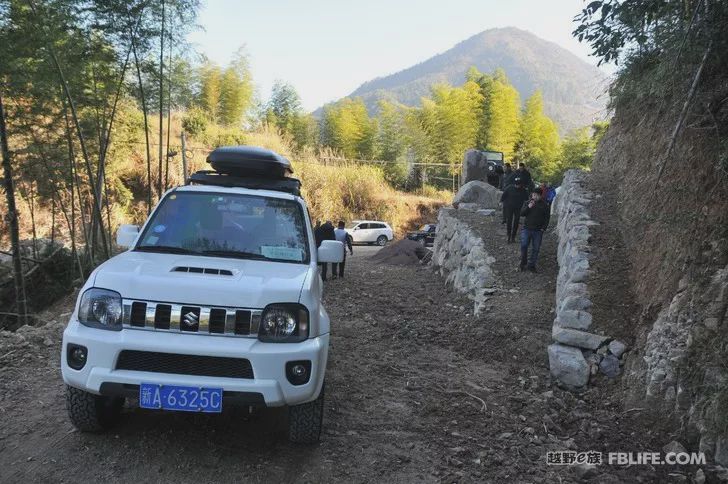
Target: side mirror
126 235
331 251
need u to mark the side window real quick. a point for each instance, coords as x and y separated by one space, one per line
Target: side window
376 226
362 226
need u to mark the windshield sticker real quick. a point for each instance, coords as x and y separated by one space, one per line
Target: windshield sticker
283 253
159 229
152 239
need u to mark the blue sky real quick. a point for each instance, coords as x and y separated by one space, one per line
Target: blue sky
327 48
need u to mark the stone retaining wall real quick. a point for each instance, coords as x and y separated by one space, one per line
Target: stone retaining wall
459 255
578 351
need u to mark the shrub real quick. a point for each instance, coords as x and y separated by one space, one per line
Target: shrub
195 122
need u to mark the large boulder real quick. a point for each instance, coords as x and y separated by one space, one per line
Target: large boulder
475 166
568 365
477 193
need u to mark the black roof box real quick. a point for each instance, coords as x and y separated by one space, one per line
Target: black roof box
284 184
249 162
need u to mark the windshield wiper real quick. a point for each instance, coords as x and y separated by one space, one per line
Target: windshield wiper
165 249
237 254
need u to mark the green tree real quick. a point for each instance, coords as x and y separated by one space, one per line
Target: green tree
236 91
538 138
209 96
456 121
577 150
347 128
304 130
500 115
579 147
390 141
284 107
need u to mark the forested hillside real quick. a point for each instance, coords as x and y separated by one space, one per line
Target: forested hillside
573 91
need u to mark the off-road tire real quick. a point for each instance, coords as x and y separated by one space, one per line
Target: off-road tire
305 420
382 240
92 413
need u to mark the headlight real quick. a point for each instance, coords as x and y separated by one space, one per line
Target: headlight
100 308
284 323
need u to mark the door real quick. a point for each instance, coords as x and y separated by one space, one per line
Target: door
376 230
360 233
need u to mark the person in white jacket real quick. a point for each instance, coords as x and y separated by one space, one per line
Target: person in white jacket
343 237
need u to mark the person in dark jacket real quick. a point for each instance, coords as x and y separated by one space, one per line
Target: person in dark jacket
525 176
536 215
507 178
321 233
506 181
513 199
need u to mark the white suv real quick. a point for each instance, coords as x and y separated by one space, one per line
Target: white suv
217 302
370 232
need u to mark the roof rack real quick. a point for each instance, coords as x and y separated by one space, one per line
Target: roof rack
209 177
249 161
248 167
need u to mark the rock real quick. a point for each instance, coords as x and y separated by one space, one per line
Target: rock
585 471
609 366
699 477
711 323
475 166
674 447
568 366
580 339
573 319
576 303
721 450
617 348
683 398
707 445
486 211
478 192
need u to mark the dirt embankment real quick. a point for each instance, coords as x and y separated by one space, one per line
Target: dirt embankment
673 246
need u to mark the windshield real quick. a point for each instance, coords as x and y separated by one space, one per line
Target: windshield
352 225
227 225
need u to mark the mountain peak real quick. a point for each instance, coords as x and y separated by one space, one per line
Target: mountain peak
570 86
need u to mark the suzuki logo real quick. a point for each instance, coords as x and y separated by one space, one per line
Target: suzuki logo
190 319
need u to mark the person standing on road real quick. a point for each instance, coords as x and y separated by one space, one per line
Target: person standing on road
525 176
342 236
548 193
321 233
513 199
507 178
537 214
506 181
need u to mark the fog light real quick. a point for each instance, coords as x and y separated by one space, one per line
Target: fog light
76 356
298 372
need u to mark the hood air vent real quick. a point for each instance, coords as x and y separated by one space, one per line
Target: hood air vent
203 270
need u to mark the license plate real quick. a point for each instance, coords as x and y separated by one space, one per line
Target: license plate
174 397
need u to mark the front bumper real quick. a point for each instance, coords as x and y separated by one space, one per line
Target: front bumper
268 361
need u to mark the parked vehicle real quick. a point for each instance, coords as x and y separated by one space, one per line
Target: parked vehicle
216 302
370 232
425 235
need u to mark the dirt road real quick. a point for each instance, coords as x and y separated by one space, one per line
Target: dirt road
417 390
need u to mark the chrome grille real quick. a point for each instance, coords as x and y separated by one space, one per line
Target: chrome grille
191 318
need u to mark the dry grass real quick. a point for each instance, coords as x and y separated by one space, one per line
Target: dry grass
333 192
350 191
